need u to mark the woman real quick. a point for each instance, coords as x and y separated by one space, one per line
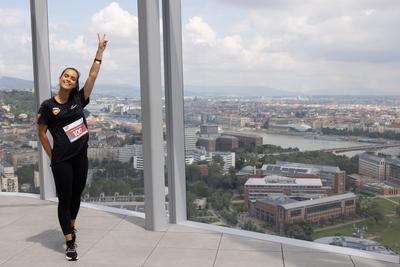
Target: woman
63 116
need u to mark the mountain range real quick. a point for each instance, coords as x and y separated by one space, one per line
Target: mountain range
10 83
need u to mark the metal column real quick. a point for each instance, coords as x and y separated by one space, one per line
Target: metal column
150 88
42 85
174 104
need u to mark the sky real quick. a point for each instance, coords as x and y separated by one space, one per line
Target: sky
313 46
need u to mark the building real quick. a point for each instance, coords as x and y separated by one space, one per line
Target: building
393 170
127 152
372 166
281 210
227 143
356 243
209 143
331 176
138 162
190 139
246 140
292 171
23 157
200 154
258 188
206 129
203 168
102 153
371 185
8 180
136 154
248 172
228 158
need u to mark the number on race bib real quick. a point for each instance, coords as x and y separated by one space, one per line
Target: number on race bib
75 130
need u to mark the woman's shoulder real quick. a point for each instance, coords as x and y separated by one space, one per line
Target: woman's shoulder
47 101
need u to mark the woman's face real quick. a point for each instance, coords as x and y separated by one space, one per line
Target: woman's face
68 79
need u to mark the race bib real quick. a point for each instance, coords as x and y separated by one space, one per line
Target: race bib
75 130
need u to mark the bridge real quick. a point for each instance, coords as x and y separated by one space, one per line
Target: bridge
341 149
357 148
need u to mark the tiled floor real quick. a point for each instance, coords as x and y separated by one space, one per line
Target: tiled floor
30 236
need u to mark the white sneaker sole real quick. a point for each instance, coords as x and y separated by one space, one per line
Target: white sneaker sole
71 259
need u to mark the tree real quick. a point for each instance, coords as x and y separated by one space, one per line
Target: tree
25 174
220 200
377 215
219 160
200 189
251 226
230 217
193 172
299 230
398 210
190 206
373 211
296 231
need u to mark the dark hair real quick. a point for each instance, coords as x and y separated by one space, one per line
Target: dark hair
75 90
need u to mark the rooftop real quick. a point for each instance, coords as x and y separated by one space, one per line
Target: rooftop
323 168
284 181
319 201
369 157
31 237
277 200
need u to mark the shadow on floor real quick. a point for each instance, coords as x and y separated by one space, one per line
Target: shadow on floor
51 239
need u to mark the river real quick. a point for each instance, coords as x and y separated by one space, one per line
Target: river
307 144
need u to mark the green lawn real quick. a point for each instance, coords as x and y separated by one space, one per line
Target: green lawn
395 199
386 206
386 232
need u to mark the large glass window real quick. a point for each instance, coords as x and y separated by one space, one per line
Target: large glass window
114 117
18 141
284 119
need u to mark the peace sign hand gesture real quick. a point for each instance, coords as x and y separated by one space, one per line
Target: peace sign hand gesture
102 42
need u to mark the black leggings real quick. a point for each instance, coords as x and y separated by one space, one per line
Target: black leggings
70 180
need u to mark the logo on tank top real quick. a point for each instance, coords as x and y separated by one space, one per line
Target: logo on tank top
56 111
73 106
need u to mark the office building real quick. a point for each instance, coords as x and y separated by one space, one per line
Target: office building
190 139
209 143
206 129
281 210
257 188
227 143
372 166
8 180
246 140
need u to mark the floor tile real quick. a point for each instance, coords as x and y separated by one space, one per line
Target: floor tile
231 242
231 258
316 259
190 240
173 257
362 262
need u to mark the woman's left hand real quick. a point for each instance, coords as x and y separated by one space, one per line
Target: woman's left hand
102 42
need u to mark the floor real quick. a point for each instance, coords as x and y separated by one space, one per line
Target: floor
30 236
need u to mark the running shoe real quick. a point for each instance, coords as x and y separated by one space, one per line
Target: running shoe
71 254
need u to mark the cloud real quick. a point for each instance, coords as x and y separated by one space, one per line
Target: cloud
15 39
298 48
120 60
286 44
116 22
11 18
200 32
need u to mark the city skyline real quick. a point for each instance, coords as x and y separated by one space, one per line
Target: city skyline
305 48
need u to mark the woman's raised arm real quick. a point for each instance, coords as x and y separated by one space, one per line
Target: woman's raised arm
94 70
